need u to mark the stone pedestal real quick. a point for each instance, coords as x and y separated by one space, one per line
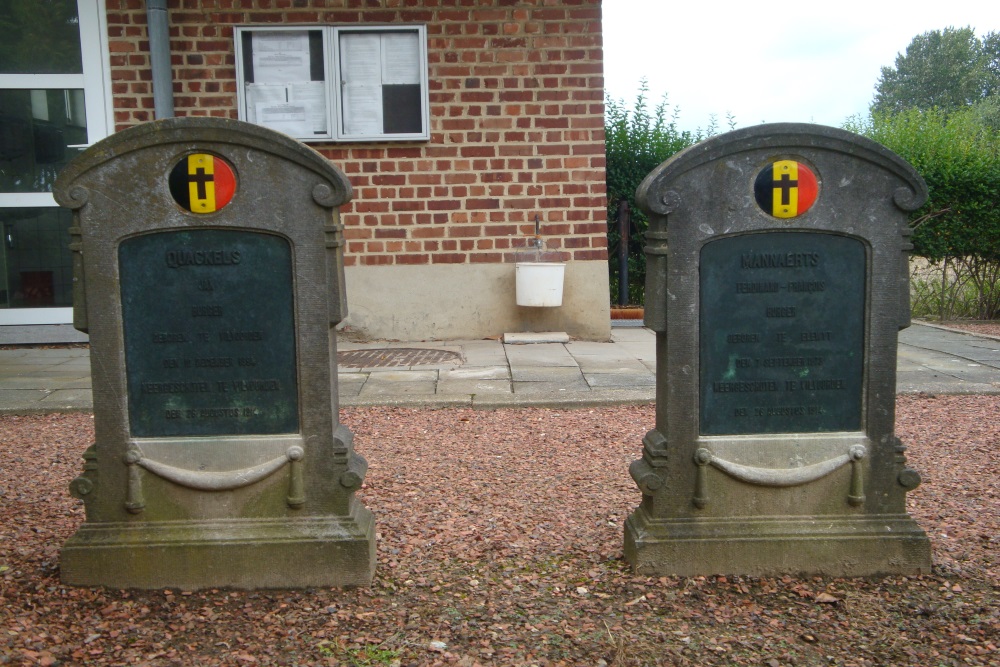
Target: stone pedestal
208 268
777 281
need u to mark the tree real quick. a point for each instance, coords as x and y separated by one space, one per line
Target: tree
40 37
948 69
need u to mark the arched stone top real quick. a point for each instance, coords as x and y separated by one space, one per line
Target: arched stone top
198 131
656 196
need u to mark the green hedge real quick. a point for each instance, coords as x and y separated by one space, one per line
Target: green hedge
958 154
637 139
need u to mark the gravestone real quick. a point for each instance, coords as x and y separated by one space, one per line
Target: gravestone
208 271
777 282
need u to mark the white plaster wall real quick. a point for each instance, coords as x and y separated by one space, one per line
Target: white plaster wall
454 301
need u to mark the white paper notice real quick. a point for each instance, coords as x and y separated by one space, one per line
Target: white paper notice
362 109
312 97
400 58
280 56
360 58
361 85
266 94
284 117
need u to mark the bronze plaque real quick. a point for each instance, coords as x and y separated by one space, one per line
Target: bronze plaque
209 333
782 333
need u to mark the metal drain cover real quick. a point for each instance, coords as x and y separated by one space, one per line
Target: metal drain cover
395 356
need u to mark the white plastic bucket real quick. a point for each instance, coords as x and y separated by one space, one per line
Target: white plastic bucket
539 283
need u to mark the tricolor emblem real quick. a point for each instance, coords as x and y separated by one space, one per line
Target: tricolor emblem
202 183
785 189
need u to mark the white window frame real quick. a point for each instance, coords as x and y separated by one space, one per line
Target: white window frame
335 97
95 81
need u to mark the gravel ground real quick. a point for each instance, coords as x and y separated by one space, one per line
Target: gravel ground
500 543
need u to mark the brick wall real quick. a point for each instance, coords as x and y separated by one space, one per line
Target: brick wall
517 125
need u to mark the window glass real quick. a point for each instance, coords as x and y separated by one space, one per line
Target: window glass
38 132
381 83
284 80
40 37
36 265
342 83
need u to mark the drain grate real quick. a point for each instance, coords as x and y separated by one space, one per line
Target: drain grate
395 356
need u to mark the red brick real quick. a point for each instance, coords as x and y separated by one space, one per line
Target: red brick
516 119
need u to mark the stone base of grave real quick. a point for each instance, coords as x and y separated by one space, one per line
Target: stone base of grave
247 554
771 546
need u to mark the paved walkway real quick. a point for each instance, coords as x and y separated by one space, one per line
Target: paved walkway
490 374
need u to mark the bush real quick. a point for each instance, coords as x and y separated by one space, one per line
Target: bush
949 290
637 141
958 154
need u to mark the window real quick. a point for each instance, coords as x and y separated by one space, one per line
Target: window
335 83
53 104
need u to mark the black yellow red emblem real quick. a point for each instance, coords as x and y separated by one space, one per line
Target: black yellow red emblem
202 183
785 188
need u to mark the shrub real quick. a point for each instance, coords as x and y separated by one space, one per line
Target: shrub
637 141
958 154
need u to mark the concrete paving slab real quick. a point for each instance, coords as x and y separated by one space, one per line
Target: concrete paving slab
978 374
40 370
547 387
535 337
68 400
397 388
484 353
46 358
551 373
947 386
21 401
44 382
575 374
402 377
642 351
474 387
348 389
81 364
619 380
633 335
442 367
475 373
562 400
543 355
36 335
416 401
616 366
348 346
591 349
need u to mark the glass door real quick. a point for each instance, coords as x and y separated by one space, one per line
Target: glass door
53 104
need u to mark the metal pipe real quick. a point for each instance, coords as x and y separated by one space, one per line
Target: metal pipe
623 240
159 58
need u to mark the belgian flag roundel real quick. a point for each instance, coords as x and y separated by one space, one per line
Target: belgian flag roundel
202 183
785 189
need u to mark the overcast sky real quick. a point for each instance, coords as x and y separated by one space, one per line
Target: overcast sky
814 62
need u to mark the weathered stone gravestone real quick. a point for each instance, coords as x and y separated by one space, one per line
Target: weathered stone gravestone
776 284
209 274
